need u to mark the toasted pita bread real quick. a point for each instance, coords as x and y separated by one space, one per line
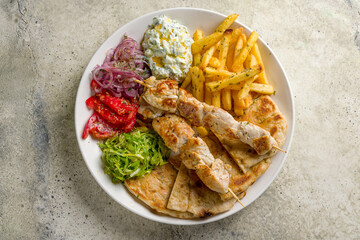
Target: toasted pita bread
179 198
154 189
189 194
203 202
264 113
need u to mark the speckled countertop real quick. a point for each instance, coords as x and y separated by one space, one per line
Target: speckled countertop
46 191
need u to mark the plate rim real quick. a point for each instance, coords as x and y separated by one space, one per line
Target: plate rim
187 221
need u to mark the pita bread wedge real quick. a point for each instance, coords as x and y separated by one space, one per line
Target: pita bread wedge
264 113
154 189
179 198
203 202
191 195
239 181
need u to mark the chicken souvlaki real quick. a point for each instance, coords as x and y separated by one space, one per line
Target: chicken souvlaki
193 151
165 96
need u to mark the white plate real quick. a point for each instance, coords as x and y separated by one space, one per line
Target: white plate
192 18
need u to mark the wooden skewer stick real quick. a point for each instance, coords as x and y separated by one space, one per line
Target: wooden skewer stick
279 149
237 199
142 83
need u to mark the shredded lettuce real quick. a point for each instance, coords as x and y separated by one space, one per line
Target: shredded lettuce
133 154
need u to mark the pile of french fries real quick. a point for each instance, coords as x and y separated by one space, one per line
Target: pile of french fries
227 68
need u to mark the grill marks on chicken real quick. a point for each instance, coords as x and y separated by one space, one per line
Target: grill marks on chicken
193 151
173 130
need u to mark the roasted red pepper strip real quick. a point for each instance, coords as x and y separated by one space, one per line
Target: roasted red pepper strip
119 105
98 128
106 113
131 122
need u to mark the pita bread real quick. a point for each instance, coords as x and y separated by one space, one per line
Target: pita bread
179 198
203 202
154 189
191 195
264 113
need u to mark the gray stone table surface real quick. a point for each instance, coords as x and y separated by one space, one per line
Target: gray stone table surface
46 190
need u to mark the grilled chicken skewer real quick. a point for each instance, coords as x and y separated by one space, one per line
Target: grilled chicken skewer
223 125
165 95
193 151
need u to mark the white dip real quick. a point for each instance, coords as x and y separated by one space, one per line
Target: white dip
167 46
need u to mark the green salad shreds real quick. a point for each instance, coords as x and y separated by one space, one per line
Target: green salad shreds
133 154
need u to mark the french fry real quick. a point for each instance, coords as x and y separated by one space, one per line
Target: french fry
242 104
238 62
238 46
234 38
187 79
226 23
241 96
235 35
262 76
224 48
250 61
245 89
235 87
226 99
208 55
233 80
216 99
197 59
208 95
215 95
201 87
216 54
214 62
238 110
195 75
246 102
202 131
230 56
262 88
198 34
211 72
198 80
206 42
243 35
